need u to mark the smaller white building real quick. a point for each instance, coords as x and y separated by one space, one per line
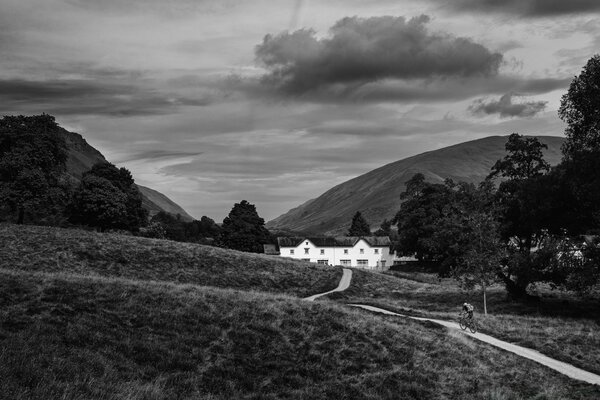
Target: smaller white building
372 252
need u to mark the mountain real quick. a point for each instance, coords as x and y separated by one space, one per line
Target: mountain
81 158
376 194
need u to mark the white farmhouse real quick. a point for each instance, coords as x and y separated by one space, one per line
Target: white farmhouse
371 252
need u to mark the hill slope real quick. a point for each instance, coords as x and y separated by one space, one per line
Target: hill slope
81 158
376 194
71 251
102 316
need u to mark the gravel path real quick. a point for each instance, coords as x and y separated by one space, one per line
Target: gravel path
344 284
562 367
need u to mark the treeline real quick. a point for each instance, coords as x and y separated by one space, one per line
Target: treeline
527 223
36 188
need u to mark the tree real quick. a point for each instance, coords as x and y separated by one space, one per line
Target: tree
107 198
33 158
480 250
579 109
174 227
359 226
530 202
525 159
581 151
244 230
385 229
419 218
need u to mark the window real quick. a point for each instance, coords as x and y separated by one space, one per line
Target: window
362 251
306 259
322 251
291 251
307 243
345 262
376 251
323 262
306 251
362 263
345 251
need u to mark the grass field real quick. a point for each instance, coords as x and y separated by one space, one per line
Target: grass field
35 248
561 325
101 316
75 337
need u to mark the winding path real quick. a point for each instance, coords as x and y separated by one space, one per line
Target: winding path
562 367
343 285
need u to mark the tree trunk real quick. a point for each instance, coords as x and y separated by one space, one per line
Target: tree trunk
516 290
484 298
21 216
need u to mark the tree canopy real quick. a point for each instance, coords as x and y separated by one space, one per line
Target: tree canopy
359 226
581 152
33 159
244 230
107 198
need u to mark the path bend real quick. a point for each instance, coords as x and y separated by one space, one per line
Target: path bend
343 285
564 368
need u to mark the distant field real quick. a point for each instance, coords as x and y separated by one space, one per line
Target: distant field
35 248
73 337
561 325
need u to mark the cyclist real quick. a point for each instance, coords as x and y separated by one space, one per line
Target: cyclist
468 309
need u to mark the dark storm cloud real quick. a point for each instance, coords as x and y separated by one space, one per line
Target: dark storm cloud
362 50
407 91
505 107
526 8
83 96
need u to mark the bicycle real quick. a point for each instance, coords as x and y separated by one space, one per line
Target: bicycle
465 322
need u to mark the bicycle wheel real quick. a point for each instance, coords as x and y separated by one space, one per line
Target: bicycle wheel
473 326
462 323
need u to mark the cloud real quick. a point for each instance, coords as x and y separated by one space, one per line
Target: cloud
90 96
363 50
526 8
505 107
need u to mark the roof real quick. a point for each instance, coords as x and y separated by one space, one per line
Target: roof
341 241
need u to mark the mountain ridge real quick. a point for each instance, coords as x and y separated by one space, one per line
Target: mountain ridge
376 194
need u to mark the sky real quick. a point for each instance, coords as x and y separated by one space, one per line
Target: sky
216 101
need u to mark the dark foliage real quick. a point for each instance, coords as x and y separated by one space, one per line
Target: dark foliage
107 198
244 230
581 161
33 155
174 228
360 226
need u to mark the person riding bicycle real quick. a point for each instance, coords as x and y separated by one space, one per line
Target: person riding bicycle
468 309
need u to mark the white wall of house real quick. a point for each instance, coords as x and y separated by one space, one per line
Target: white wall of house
361 255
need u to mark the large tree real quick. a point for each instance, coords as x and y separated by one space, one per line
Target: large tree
33 159
244 230
107 198
419 218
580 109
359 226
531 209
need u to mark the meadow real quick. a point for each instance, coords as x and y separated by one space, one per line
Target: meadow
88 316
560 325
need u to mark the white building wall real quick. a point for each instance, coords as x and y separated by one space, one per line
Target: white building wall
336 255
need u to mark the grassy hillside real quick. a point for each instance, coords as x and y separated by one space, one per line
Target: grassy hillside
376 194
73 337
561 325
35 248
